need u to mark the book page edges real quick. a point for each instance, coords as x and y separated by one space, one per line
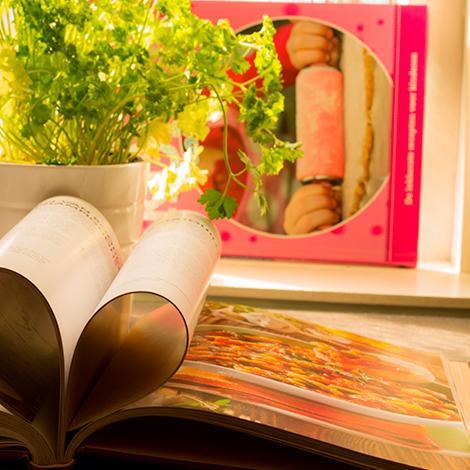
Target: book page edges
459 378
15 428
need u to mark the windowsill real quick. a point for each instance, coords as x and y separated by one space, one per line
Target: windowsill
297 281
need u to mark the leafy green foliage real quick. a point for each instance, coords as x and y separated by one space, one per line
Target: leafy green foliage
272 158
105 81
217 205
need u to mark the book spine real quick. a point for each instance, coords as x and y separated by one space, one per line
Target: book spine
407 134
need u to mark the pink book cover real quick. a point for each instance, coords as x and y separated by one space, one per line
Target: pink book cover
383 51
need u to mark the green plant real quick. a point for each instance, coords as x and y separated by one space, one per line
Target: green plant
107 81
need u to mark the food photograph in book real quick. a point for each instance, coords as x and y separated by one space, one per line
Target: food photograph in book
281 370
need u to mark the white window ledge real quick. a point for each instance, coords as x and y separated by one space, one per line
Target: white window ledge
296 281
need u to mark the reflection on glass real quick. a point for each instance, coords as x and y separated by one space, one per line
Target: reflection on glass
337 104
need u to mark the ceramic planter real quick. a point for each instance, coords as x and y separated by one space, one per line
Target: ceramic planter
118 191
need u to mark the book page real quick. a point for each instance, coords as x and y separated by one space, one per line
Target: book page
68 250
370 383
55 266
175 260
159 293
17 434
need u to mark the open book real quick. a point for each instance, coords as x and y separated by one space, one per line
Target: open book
94 361
82 335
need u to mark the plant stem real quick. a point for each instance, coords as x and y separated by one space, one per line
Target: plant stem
100 131
231 175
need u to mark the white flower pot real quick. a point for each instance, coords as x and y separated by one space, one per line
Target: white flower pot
118 191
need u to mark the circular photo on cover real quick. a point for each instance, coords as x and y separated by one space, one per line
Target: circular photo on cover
338 105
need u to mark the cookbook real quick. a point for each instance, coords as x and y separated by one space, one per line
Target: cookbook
102 358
